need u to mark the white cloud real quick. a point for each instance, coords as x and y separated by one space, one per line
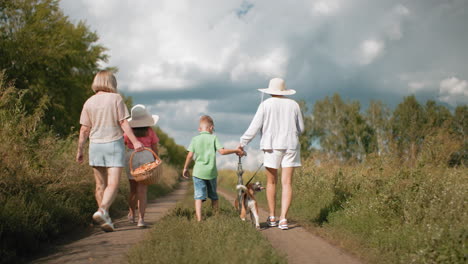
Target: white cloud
369 50
453 91
390 28
394 22
180 116
327 7
416 86
272 64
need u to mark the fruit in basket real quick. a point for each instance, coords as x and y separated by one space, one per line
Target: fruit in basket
146 167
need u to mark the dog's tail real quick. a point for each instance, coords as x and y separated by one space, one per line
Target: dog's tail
240 186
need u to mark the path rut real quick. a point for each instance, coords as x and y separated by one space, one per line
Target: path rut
299 245
101 247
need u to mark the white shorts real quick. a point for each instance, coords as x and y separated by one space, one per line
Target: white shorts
284 158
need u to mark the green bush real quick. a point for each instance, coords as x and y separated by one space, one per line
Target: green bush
43 191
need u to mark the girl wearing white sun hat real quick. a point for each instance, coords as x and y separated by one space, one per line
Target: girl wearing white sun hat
141 122
280 122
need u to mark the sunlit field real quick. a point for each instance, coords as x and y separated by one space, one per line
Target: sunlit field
380 210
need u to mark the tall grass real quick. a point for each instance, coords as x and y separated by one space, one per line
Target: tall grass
383 210
44 193
168 182
221 238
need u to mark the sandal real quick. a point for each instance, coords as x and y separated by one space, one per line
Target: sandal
283 224
271 221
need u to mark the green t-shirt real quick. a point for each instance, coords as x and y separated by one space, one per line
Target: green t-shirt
204 146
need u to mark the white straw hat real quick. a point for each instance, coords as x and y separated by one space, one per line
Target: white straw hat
277 86
141 117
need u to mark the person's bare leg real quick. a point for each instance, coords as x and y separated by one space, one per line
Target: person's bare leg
113 177
271 189
132 198
198 207
286 195
100 175
142 189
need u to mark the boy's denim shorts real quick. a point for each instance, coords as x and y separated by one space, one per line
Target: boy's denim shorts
204 188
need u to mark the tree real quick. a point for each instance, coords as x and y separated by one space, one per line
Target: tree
328 115
43 52
437 116
377 117
341 129
175 154
305 138
407 124
460 121
360 138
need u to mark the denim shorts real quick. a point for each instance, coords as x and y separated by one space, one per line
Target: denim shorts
110 154
204 188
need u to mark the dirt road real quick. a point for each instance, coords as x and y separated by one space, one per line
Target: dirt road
101 247
299 245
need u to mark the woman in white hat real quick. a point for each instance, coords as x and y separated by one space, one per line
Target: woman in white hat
104 120
141 122
279 120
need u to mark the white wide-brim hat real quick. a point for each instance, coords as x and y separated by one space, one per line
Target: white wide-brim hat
141 117
277 86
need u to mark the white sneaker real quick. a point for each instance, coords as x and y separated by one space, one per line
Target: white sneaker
102 217
98 217
107 227
141 224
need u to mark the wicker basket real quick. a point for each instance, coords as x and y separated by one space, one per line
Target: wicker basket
148 173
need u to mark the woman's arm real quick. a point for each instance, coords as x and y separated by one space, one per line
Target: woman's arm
128 130
185 172
84 134
254 127
300 122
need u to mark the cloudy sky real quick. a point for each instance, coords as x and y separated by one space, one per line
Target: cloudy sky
185 58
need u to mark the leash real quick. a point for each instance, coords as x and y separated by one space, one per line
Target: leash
261 165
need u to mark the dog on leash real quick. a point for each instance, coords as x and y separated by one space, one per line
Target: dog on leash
249 204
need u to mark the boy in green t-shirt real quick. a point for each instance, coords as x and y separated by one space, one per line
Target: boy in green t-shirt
205 174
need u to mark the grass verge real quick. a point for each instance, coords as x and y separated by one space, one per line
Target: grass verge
381 211
220 238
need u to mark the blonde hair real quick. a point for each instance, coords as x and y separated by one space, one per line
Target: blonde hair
104 81
206 121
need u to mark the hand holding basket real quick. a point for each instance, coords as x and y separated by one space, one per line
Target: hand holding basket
148 173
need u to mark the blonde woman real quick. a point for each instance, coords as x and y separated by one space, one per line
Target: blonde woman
104 120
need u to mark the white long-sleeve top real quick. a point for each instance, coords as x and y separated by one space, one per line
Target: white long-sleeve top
280 123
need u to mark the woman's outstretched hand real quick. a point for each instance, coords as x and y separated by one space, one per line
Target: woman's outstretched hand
240 151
